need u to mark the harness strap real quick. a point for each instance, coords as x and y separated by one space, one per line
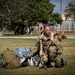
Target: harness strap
41 46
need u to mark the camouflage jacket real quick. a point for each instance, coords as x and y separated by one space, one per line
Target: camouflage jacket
46 42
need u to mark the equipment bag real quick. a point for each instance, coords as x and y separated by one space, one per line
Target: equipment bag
10 60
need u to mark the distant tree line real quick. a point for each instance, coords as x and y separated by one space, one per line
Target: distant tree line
19 15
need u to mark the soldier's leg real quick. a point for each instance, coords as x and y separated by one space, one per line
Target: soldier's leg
52 55
43 61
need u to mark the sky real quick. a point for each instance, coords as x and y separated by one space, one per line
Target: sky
64 4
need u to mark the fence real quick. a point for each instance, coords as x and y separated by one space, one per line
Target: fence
67 25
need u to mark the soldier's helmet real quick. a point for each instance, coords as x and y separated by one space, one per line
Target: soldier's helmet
60 63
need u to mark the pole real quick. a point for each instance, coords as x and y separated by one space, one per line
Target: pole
61 13
61 7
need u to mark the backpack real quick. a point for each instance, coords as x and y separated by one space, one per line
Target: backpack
10 60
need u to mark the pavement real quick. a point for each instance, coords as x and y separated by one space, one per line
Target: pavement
70 36
33 37
23 37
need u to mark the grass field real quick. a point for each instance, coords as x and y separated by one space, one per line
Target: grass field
68 54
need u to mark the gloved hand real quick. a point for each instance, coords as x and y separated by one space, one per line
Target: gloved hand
57 58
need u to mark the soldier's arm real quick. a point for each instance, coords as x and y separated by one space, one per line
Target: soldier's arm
35 48
58 36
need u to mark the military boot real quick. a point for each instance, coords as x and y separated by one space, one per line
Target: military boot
42 66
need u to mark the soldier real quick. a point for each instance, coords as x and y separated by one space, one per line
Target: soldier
48 47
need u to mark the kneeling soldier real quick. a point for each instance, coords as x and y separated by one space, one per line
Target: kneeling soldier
49 48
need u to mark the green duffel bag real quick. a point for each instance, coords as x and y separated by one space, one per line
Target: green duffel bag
10 60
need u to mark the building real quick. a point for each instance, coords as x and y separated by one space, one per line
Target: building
68 25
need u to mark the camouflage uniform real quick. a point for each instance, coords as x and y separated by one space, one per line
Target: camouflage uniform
50 48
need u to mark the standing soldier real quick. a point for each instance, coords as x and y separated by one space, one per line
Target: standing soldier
49 48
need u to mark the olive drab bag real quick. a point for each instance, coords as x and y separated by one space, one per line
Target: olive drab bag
10 60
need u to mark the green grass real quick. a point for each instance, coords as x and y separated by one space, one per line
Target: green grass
15 43
68 54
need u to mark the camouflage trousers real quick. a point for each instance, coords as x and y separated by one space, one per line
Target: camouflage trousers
48 55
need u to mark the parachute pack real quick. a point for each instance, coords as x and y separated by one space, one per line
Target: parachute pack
10 60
